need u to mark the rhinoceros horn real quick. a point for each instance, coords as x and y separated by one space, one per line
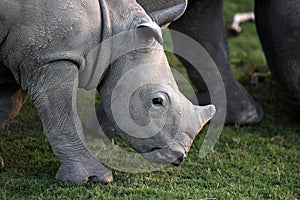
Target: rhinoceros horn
164 11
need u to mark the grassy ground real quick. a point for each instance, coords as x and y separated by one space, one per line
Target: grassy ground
254 162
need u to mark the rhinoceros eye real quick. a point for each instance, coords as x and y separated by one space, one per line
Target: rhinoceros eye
158 101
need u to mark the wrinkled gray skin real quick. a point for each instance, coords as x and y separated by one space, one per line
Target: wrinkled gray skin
278 26
44 47
203 21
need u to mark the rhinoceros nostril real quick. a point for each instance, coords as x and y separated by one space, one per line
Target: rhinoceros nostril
179 160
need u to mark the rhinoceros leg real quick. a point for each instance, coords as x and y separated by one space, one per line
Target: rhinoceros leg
12 98
278 26
106 125
203 21
53 90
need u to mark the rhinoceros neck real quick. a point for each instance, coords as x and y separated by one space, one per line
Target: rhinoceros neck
98 59
118 17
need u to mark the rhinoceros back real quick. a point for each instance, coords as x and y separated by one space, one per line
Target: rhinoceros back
34 33
152 6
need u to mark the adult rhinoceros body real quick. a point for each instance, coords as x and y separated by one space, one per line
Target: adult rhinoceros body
278 27
45 52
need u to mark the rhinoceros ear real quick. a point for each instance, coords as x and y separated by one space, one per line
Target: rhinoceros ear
164 11
147 30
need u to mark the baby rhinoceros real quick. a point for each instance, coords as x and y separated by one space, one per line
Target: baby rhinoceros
50 48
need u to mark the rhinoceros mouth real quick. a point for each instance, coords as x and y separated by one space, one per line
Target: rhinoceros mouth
171 154
156 149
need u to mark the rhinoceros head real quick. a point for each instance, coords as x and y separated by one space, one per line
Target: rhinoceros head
142 99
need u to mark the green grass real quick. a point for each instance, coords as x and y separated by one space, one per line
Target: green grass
252 162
